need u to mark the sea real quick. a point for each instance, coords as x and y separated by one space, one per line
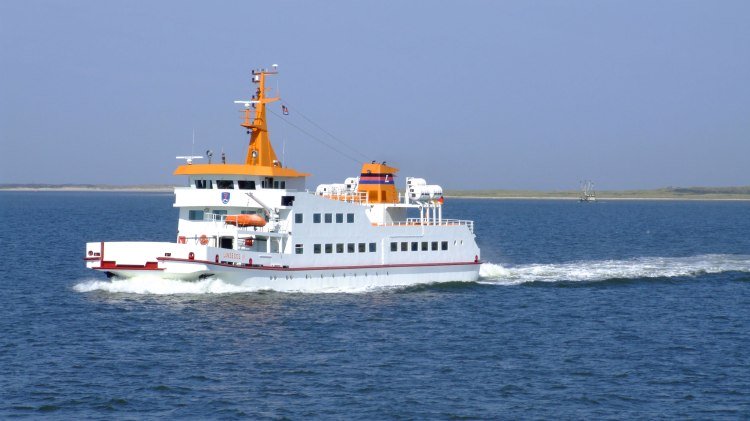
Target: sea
607 310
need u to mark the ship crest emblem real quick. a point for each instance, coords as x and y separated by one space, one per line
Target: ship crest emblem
225 197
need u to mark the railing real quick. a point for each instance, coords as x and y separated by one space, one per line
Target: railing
431 222
349 197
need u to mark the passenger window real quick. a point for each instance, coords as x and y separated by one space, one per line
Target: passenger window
362 247
298 248
340 248
297 218
444 245
424 246
195 215
339 218
414 246
329 218
404 246
350 248
394 246
329 248
349 218
316 249
434 245
316 218
373 247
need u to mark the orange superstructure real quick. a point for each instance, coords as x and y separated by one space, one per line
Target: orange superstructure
261 159
377 181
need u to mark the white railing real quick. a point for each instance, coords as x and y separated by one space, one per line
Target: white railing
348 197
430 222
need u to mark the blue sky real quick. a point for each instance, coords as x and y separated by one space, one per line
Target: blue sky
475 94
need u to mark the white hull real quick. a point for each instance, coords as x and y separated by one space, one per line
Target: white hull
286 279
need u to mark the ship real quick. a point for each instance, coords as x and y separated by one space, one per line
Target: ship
255 224
587 192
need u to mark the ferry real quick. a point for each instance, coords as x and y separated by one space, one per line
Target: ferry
256 225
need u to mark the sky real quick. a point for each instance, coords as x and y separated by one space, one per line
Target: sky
467 94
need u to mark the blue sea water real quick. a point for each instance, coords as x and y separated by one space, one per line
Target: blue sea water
616 309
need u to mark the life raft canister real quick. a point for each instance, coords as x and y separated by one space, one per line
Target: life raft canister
203 239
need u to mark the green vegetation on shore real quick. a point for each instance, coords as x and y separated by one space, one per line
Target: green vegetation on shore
692 193
705 193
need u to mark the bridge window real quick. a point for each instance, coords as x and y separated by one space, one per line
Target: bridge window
298 249
316 218
203 184
444 245
195 215
246 184
329 218
297 218
373 247
362 247
316 248
224 184
329 248
349 218
339 218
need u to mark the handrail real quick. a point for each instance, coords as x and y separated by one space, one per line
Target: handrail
426 222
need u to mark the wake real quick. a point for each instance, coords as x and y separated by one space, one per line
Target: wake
489 273
602 270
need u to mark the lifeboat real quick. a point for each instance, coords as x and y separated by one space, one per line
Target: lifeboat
246 220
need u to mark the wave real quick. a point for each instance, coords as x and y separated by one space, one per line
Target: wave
159 286
602 270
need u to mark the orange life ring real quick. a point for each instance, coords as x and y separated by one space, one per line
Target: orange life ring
203 239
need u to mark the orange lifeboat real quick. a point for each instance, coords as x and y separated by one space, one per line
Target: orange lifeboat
246 220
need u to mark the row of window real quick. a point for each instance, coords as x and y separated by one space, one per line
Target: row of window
339 247
372 247
267 183
327 217
415 246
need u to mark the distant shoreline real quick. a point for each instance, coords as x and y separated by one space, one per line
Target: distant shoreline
692 193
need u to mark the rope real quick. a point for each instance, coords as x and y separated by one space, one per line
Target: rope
351 148
342 153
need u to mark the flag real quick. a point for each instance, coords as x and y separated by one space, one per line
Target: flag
284 109
441 200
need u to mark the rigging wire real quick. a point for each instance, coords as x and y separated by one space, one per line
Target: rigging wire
296 110
333 148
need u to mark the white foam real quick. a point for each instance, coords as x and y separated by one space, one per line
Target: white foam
642 267
160 286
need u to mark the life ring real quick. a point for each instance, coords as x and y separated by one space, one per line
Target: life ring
203 239
216 259
191 256
181 239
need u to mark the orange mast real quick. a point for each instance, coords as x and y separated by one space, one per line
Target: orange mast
259 151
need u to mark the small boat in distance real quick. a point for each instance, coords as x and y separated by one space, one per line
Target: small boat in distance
587 191
256 224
